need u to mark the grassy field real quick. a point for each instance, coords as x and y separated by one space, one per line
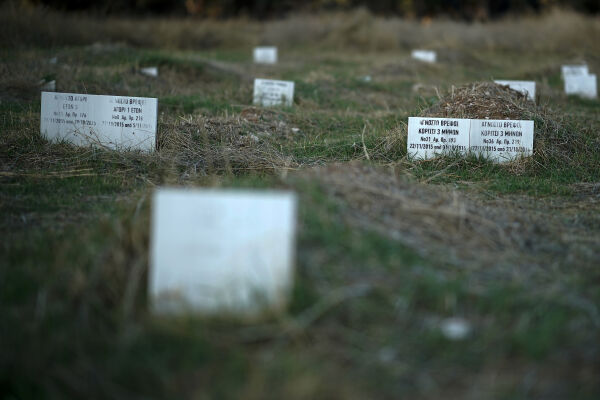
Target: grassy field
388 249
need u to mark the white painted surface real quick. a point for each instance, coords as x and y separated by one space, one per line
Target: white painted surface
221 251
117 122
428 137
582 85
265 55
501 140
525 87
427 56
150 71
268 92
569 70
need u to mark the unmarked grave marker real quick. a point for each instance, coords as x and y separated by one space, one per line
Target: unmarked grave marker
221 251
525 87
582 85
265 55
501 140
268 92
117 122
427 56
430 136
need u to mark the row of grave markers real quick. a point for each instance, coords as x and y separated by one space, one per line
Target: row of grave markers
215 251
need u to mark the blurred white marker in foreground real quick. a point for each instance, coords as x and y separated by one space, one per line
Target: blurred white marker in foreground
455 328
427 56
265 55
221 251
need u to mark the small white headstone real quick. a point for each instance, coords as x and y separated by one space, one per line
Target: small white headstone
221 251
525 87
582 85
268 92
427 56
150 71
501 140
265 55
568 70
118 122
430 136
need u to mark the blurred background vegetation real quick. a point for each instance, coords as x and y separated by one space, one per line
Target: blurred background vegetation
461 9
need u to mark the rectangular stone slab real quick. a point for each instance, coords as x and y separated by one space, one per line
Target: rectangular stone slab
221 251
501 140
269 92
428 137
116 122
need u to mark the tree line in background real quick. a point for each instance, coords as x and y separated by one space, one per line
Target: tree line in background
461 9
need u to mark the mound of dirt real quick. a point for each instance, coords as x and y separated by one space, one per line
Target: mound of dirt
559 138
230 144
482 100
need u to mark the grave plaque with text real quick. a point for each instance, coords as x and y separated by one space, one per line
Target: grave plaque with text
117 122
265 55
501 140
430 136
525 87
268 92
221 251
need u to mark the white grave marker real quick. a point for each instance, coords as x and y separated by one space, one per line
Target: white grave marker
118 122
567 70
582 85
265 55
430 136
268 92
150 71
525 87
427 56
221 250
501 140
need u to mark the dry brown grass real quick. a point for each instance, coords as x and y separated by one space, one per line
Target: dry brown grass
482 100
188 148
235 144
459 227
350 30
